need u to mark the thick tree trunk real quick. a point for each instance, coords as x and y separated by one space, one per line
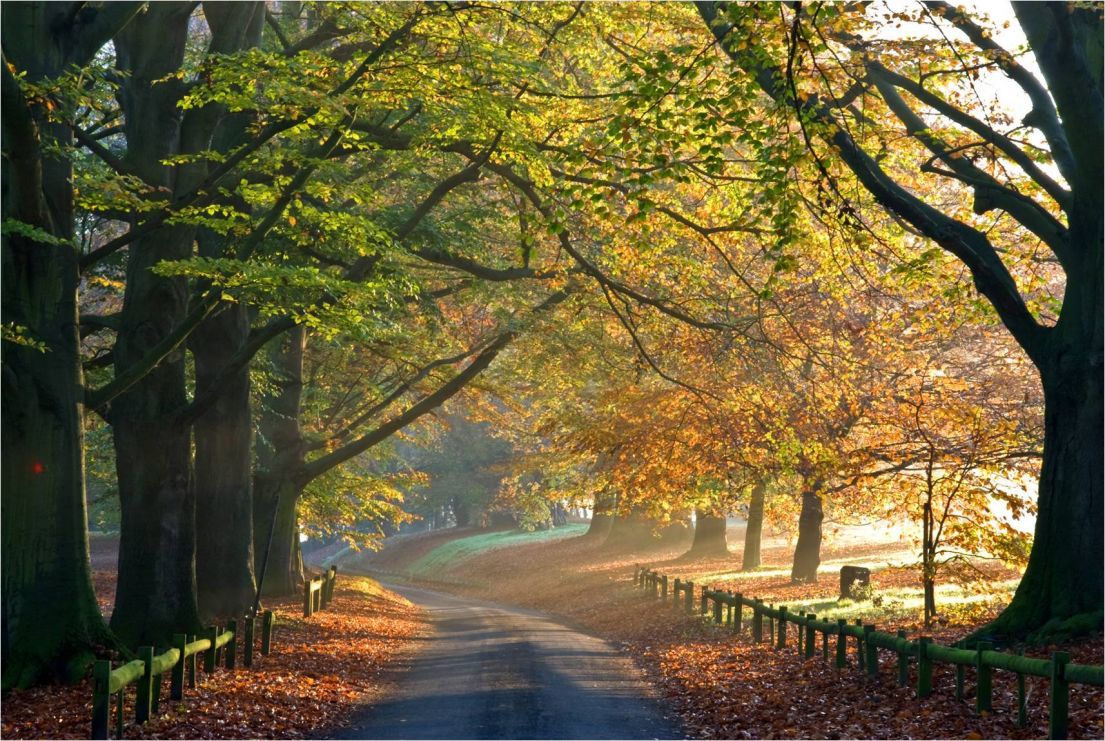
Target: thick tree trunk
807 553
280 455
51 620
602 516
283 564
754 532
1061 591
224 494
630 530
709 535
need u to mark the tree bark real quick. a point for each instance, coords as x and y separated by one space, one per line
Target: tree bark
602 516
754 531
709 535
807 553
630 530
225 584
280 455
51 620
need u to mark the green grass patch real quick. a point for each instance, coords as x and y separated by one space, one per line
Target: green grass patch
449 554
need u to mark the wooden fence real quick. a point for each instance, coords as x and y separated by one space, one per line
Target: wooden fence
179 662
318 592
727 609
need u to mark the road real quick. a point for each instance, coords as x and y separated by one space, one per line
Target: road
490 671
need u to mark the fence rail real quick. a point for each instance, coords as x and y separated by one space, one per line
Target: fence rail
179 662
727 609
318 592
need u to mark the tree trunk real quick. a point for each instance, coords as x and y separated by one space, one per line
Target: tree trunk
224 495
754 531
156 592
601 516
807 553
1060 593
51 619
630 530
709 536
280 455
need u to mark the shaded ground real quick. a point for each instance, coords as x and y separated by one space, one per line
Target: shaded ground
725 687
321 670
493 672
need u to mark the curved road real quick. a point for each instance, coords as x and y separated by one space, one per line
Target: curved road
492 672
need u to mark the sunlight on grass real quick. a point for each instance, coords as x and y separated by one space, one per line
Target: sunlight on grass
905 602
448 554
885 559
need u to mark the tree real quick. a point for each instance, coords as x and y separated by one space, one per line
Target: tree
51 619
1063 582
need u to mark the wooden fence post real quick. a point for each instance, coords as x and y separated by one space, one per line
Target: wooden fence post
738 618
308 602
860 662
811 636
192 666
782 638
689 586
1060 696
924 667
960 680
232 644
144 697
718 604
247 645
825 646
210 657
872 651
984 695
841 644
266 632
702 603
176 686
800 630
676 592
101 700
664 589
757 622
903 664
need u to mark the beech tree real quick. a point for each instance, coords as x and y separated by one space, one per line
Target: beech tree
1053 205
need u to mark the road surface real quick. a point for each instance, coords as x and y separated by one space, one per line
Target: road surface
490 671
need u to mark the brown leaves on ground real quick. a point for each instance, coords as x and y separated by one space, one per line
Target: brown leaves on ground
724 686
320 671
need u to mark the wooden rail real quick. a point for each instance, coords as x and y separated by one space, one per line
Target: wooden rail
179 661
728 609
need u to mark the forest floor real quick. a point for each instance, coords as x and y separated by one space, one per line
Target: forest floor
722 685
321 671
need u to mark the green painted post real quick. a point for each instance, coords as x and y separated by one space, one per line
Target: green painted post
718 605
903 664
924 667
811 636
738 619
825 646
119 714
192 666
960 680
210 657
155 703
841 644
702 602
757 622
860 662
676 599
247 645
800 630
872 651
1060 696
689 586
770 627
144 700
176 685
984 697
101 700
782 637
1022 705
266 632
232 644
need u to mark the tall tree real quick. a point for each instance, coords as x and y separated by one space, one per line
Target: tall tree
50 616
1057 208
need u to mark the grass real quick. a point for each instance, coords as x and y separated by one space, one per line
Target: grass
891 559
449 554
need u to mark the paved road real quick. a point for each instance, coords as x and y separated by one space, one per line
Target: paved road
494 672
